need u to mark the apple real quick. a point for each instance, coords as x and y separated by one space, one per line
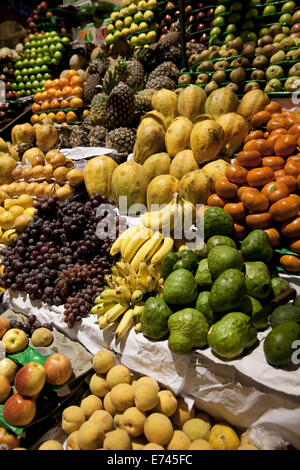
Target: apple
295 28
200 5
58 368
188 9
30 379
200 16
220 9
200 26
167 18
4 388
191 19
8 368
176 14
15 340
4 323
285 18
288 7
164 29
19 410
169 5
210 13
269 10
295 35
11 440
203 38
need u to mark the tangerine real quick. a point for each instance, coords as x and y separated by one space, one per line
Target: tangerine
60 117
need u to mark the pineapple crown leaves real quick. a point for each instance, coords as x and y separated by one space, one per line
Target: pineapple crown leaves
110 82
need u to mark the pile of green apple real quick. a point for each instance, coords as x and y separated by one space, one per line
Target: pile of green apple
135 21
41 53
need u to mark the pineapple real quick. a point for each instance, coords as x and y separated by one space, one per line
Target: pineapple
121 139
166 69
98 107
160 82
97 136
90 88
120 107
143 101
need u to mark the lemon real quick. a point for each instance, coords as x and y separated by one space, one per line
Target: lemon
8 203
30 211
25 200
16 210
6 220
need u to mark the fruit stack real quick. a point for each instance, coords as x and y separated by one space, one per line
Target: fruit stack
9 98
135 20
61 101
42 55
266 14
45 19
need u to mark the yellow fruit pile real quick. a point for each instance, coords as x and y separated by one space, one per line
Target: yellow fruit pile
122 413
15 215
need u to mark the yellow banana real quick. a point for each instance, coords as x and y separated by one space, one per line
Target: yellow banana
115 312
151 244
121 294
102 308
109 281
121 267
162 219
189 212
126 239
143 271
137 311
136 296
116 246
140 285
166 247
135 243
138 328
125 324
150 283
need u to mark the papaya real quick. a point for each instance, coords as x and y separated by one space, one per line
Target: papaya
191 102
157 164
235 128
150 139
98 175
23 133
178 135
129 180
161 190
253 102
46 137
207 140
221 101
195 187
7 164
183 163
215 169
31 154
165 102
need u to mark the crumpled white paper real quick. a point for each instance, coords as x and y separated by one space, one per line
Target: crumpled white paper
80 153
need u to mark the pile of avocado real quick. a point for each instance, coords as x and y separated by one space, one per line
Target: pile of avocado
220 300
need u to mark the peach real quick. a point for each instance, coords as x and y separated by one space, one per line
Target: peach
103 418
90 404
182 413
146 397
41 337
138 443
200 444
167 403
58 369
117 440
158 428
72 418
132 421
98 386
72 441
108 406
122 396
90 435
8 368
117 420
30 379
4 326
4 388
153 446
51 445
11 440
15 340
19 410
118 375
179 441
103 361
205 417
147 380
197 429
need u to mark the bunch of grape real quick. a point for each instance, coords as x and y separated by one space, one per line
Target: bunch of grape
30 325
61 258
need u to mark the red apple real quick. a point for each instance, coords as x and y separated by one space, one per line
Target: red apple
32 24
8 368
63 31
164 29
4 323
200 26
176 14
200 5
19 410
210 12
203 37
201 15
11 440
15 340
169 5
35 12
167 18
295 35
191 19
30 379
49 14
188 9
4 388
58 369
29 20
43 5
193 41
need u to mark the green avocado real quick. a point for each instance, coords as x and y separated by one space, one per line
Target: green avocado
257 278
154 318
278 344
202 276
217 222
202 304
251 306
180 288
284 313
188 329
168 263
187 260
227 291
217 240
231 335
256 247
224 257
279 285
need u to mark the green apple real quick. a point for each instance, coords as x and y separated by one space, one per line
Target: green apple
57 55
142 5
236 6
125 31
31 78
65 40
152 4
234 18
269 10
231 28
285 18
28 85
251 36
117 35
252 13
215 31
254 3
143 26
132 8
19 78
24 71
288 7
220 9
44 68
21 93
285 30
37 69
148 15
229 37
39 77
219 21
21 86
248 25
263 32
47 76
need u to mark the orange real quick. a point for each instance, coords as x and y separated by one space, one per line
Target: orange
51 93
71 116
45 105
63 82
64 124
58 93
51 116
64 104
66 92
34 118
38 97
55 83
76 80
85 113
48 84
60 117
43 96
77 91
36 108
71 73
54 104
76 103
42 116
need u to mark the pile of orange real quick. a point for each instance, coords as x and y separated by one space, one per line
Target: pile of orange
60 95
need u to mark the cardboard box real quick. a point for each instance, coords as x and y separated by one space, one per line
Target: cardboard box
90 33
